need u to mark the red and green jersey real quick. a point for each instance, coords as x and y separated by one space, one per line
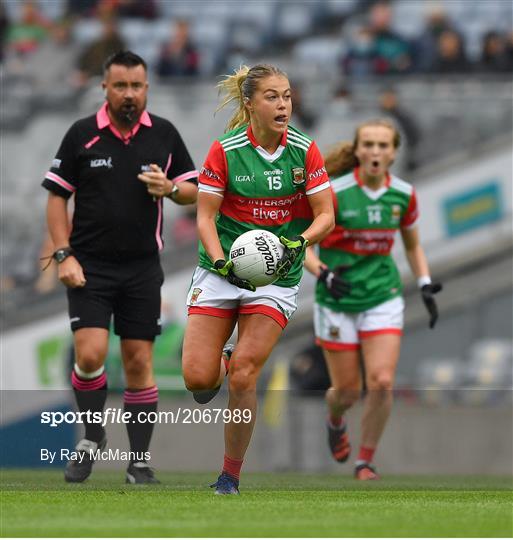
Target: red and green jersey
260 190
366 224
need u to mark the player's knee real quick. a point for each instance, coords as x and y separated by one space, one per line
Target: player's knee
198 379
381 382
343 397
243 376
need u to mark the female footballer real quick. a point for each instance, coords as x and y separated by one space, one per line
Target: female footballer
261 174
359 307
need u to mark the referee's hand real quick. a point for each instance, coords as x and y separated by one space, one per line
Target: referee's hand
71 273
157 184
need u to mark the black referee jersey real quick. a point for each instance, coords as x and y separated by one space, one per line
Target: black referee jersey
114 217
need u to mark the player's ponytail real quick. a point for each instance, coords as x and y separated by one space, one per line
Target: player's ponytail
340 159
241 87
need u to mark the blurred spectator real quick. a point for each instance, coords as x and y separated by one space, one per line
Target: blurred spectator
493 54
389 103
144 9
360 59
300 114
90 61
178 56
25 35
308 372
450 55
426 45
509 51
81 8
392 52
4 26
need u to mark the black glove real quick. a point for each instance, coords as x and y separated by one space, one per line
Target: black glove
293 249
427 292
225 270
336 285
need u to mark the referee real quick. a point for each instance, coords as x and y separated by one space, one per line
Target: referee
120 164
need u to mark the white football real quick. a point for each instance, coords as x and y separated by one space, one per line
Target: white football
255 255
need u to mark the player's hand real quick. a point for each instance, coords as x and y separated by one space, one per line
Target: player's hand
157 184
427 292
293 249
337 286
71 273
225 270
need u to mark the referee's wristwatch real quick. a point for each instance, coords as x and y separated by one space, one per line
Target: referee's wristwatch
62 254
174 192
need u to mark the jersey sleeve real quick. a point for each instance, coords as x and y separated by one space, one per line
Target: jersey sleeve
316 175
411 216
213 176
62 179
180 166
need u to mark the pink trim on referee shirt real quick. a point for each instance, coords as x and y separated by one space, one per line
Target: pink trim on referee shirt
148 395
158 236
58 180
94 140
185 176
86 385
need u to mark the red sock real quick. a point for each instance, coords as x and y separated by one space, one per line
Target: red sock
366 454
336 421
232 466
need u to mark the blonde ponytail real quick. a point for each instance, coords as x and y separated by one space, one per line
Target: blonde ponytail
241 87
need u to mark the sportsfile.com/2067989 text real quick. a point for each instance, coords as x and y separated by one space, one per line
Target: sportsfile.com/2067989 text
113 415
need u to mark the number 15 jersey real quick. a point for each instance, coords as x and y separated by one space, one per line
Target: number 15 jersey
262 190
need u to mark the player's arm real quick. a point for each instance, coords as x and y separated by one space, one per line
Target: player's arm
208 207
70 271
333 279
324 217
414 252
419 266
312 262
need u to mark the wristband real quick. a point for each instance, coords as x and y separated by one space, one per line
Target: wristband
423 280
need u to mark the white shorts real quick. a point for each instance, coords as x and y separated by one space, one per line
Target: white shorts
210 294
339 331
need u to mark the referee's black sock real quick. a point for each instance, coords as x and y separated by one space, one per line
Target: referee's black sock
139 428
90 391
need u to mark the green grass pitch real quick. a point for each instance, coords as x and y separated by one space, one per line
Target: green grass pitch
39 504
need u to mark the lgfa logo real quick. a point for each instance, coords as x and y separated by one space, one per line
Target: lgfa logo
102 163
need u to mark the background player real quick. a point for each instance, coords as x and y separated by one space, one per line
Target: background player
359 307
119 164
261 164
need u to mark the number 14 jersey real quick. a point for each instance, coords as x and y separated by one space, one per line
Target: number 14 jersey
366 225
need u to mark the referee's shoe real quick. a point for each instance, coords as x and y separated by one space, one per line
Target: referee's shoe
79 469
204 396
140 473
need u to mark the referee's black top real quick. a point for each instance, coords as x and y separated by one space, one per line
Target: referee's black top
114 217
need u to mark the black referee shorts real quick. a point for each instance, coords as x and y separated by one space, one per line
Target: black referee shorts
129 290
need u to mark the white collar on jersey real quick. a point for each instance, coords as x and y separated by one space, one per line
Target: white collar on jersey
270 157
374 194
